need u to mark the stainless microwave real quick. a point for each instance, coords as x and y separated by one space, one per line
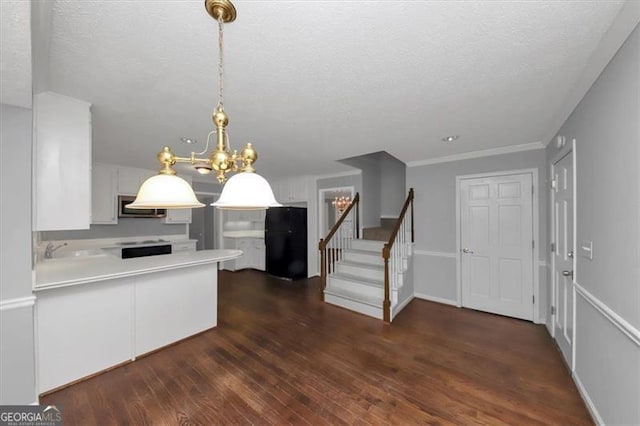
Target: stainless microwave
123 211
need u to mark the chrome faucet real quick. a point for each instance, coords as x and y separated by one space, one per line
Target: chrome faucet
48 251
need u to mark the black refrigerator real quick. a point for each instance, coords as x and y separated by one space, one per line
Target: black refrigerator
285 237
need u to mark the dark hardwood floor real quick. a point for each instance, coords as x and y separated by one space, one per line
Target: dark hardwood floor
279 356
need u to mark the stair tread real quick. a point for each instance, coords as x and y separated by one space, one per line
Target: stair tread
361 265
350 277
364 251
356 297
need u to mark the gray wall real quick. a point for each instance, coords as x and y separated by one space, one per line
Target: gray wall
370 196
17 360
126 227
435 219
605 126
393 187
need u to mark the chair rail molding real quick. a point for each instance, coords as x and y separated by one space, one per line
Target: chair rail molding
623 325
16 303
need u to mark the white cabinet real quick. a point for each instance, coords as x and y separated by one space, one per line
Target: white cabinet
253 256
292 190
82 330
179 215
62 163
104 205
174 304
183 246
130 179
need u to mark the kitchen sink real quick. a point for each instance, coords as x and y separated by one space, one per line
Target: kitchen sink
78 254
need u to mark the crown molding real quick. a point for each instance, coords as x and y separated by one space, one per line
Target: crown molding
477 154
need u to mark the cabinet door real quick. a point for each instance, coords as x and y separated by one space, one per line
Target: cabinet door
82 330
174 304
128 181
259 254
104 183
179 215
62 163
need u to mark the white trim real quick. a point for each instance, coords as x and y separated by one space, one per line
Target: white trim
477 154
587 399
535 232
337 175
623 325
435 253
388 216
543 264
18 302
436 299
399 307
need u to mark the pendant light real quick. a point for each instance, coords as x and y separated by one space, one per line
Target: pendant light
244 191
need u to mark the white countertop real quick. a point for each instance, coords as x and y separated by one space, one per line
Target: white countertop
247 233
56 273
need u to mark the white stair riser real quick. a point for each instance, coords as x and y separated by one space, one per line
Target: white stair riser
368 245
346 268
360 288
370 258
352 305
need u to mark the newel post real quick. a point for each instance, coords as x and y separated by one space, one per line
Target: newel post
386 304
323 268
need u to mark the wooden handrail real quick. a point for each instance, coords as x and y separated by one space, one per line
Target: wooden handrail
325 241
328 260
386 253
408 203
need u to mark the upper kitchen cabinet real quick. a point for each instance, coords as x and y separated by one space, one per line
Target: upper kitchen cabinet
62 163
104 206
179 215
291 190
130 179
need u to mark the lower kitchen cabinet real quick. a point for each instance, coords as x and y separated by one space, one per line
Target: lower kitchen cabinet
170 306
84 329
253 250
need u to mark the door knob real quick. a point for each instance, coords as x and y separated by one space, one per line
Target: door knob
466 250
567 273
570 254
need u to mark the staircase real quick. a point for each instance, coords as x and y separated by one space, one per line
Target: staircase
367 276
358 281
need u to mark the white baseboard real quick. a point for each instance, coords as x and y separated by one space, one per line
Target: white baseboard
585 396
436 299
401 306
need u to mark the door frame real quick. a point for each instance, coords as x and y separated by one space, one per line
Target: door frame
217 220
321 193
535 232
552 264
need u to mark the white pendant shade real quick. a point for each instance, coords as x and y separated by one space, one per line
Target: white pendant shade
246 191
165 192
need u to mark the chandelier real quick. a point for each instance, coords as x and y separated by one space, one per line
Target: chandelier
341 203
246 190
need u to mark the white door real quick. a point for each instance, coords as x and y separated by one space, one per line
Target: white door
562 256
496 231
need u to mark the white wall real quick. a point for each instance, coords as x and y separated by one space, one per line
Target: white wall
435 220
606 127
17 362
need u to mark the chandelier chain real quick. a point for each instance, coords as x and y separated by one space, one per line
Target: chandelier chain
220 64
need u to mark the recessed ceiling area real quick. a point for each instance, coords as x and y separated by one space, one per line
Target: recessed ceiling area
309 83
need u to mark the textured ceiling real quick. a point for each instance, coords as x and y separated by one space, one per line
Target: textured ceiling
311 82
15 54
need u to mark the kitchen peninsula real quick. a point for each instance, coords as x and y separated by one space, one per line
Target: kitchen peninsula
96 312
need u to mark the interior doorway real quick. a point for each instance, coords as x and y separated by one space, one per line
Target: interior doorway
205 226
327 213
497 250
